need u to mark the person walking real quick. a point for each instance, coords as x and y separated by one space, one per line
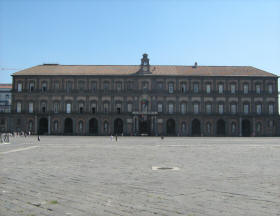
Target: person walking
38 138
116 137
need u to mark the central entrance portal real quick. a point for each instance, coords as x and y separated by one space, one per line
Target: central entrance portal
145 125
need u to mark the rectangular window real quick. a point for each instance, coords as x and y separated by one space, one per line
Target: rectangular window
106 86
160 85
68 108
31 87
19 87
221 108
68 86
195 87
30 107
246 108
44 87
18 107
160 107
232 88
56 85
170 108
81 85
221 88
129 107
270 88
170 87
106 107
208 88
259 109
258 88
233 108
119 86
183 108
55 108
183 88
208 108
245 88
196 108
270 109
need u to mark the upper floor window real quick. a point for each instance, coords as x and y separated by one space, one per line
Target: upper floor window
19 87
81 85
144 106
81 107
43 107
18 107
183 108
44 87
119 86
68 86
270 88
259 108
160 85
118 107
270 109
68 108
93 86
232 88
246 108
30 107
196 108
221 88
171 87
183 88
129 107
31 86
159 107
258 88
106 107
208 88
195 87
130 85
56 85
106 86
93 107
221 108
233 108
170 108
245 88
208 108
55 107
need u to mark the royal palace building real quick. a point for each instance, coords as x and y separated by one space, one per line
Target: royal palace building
145 100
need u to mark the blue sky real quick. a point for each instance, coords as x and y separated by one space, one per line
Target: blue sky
229 32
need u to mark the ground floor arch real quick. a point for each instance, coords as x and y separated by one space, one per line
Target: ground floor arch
246 127
93 126
43 126
221 127
68 126
170 127
196 128
118 126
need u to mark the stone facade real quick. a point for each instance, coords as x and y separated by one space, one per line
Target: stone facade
146 103
5 106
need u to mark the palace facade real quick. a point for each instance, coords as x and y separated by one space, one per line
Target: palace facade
145 99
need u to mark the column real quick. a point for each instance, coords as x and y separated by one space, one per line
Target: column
240 126
49 125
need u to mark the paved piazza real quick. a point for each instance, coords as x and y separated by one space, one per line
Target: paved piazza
97 176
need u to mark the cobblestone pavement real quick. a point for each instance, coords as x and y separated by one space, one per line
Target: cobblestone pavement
97 176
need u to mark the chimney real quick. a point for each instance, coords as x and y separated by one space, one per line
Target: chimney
195 65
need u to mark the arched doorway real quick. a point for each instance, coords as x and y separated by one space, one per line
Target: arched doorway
43 126
221 128
118 126
246 127
170 127
93 126
196 131
68 126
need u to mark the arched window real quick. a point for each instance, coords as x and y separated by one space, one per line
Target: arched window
233 108
93 107
221 108
56 107
259 128
246 108
30 107
208 128
30 125
196 108
259 108
81 107
208 108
